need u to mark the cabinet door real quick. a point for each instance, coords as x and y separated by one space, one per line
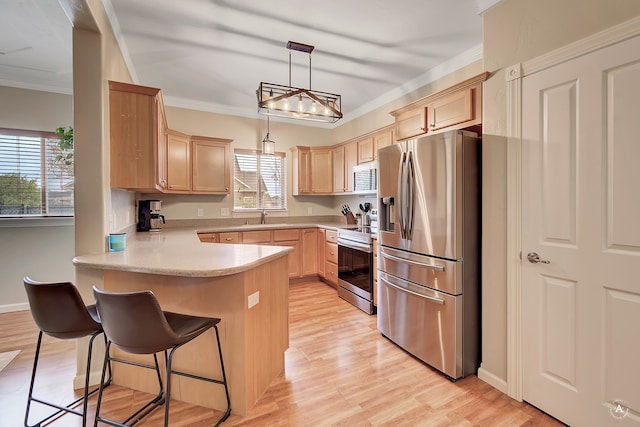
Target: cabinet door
211 165
339 178
320 252
133 113
294 257
309 254
365 150
161 145
301 170
178 162
350 160
451 110
331 271
321 171
411 123
382 140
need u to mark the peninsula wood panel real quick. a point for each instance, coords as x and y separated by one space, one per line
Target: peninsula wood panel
253 339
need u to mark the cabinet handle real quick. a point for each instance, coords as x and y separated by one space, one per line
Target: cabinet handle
228 239
432 125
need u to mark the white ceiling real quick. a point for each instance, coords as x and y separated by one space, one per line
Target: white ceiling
212 54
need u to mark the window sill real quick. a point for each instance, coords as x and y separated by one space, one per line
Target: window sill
40 221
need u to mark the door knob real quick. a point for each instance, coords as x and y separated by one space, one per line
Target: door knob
534 258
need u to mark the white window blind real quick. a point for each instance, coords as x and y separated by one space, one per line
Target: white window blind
259 181
36 175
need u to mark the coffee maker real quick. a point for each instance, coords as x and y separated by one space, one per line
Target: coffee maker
149 218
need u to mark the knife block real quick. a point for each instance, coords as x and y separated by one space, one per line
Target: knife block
350 218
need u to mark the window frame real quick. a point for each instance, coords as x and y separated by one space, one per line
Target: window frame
42 219
283 184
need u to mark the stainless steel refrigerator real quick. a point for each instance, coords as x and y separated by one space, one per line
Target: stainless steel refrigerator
429 260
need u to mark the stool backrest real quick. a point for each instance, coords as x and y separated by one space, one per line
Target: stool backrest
134 321
58 309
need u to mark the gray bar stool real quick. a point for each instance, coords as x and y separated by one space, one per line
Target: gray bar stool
135 323
58 310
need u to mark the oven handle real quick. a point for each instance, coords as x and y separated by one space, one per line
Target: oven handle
408 261
403 289
353 245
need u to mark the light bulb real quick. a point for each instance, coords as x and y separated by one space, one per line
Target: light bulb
300 105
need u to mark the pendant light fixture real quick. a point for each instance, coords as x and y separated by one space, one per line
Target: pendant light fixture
298 103
268 145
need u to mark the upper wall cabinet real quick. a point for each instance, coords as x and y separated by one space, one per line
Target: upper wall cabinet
211 165
148 157
137 128
457 107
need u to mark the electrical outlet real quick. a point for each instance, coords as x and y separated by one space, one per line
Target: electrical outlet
309 211
253 299
200 211
224 212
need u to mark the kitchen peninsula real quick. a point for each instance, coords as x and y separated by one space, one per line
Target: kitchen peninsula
244 285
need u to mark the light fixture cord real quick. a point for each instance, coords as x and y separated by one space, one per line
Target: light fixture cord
309 70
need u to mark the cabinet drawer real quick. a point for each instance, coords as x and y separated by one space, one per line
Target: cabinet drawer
208 237
260 236
286 234
331 252
331 271
332 236
230 237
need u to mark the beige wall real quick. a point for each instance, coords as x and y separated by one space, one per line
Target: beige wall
516 31
40 248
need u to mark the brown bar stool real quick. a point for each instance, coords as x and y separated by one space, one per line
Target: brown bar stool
135 323
58 310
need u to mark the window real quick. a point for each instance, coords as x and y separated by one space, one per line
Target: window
259 180
36 174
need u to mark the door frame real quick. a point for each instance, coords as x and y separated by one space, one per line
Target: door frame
514 76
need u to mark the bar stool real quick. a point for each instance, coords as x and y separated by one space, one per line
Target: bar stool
59 312
135 323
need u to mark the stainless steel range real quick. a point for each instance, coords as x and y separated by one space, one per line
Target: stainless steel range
355 267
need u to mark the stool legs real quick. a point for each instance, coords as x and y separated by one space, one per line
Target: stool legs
144 410
223 382
68 408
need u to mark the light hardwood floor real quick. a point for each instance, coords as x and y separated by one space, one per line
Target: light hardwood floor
339 372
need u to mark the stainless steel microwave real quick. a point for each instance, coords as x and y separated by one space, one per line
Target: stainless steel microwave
365 178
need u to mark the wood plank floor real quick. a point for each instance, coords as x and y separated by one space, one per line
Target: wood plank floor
339 372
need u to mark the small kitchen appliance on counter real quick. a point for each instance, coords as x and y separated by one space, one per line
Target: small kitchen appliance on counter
149 218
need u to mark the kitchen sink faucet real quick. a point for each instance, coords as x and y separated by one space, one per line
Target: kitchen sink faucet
263 217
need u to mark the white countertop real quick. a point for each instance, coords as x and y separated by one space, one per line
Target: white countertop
179 252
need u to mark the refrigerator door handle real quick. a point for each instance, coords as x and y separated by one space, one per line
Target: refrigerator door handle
420 295
411 190
408 261
401 199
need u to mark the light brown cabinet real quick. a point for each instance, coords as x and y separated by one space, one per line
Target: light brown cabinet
137 124
211 165
365 150
301 170
321 171
457 107
308 255
345 157
209 237
381 140
331 258
178 161
320 252
230 237
197 164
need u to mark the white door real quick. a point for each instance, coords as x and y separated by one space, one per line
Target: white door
581 214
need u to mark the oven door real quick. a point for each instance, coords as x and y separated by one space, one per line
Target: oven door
355 274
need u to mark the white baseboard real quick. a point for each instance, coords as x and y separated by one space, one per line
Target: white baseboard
9 308
493 380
